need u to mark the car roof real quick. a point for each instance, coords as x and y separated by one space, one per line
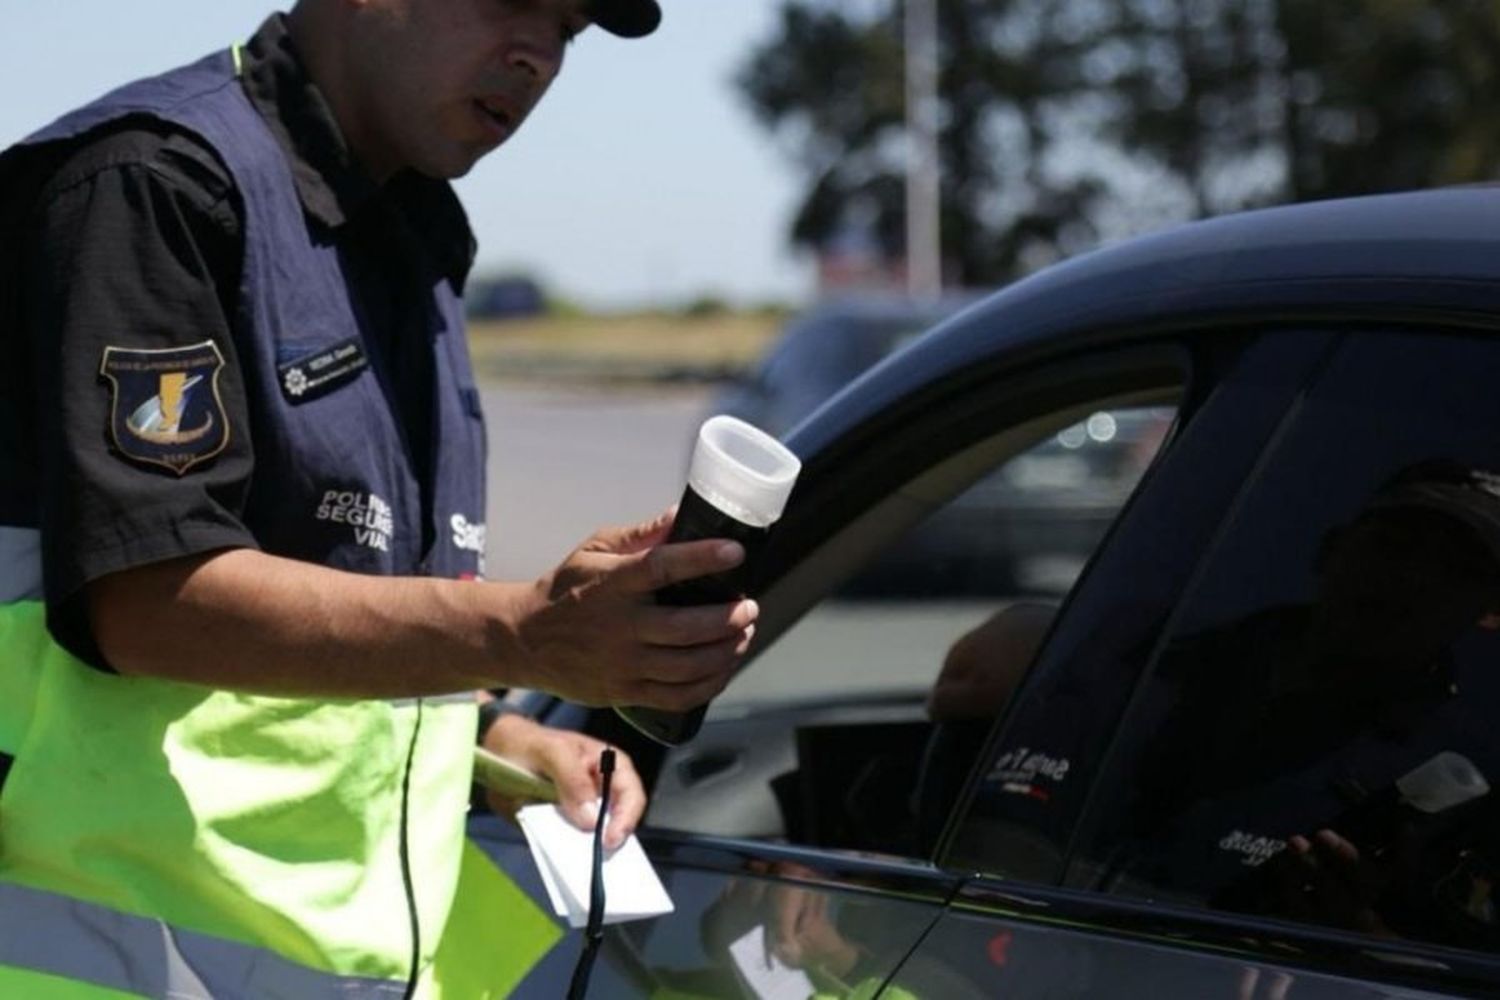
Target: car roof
1402 257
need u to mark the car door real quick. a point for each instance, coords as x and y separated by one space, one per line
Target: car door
1286 793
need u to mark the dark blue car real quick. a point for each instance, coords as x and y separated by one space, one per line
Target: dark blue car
1251 751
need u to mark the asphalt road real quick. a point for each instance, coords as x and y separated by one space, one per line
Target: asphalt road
565 461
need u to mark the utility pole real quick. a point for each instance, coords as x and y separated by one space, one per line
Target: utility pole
924 262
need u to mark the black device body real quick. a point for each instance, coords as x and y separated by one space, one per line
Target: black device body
698 518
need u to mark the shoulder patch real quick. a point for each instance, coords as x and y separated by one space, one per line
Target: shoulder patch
166 408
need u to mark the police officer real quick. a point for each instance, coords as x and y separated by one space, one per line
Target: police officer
242 516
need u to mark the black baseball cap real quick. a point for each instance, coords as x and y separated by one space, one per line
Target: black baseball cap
626 18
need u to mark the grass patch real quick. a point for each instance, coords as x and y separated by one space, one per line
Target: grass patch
631 346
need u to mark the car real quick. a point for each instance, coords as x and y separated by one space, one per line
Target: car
826 347
1249 753
1055 504
504 297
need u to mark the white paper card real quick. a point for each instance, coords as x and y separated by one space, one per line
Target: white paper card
564 855
549 880
766 976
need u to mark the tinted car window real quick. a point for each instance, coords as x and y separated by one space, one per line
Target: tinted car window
1316 740
1028 526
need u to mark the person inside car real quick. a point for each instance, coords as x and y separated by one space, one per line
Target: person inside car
1290 776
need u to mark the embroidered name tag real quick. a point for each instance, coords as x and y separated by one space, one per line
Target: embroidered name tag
312 375
165 407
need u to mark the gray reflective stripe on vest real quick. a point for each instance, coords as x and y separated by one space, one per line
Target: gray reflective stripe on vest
46 932
20 564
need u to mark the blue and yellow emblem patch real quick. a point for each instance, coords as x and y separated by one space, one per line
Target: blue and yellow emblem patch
166 408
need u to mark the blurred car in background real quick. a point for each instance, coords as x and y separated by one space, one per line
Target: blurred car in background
824 349
1027 527
504 297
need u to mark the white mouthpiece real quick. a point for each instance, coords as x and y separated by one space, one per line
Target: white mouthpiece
742 470
1445 780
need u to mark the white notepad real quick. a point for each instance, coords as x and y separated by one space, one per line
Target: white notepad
564 855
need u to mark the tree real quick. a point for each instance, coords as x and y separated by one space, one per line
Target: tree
1068 122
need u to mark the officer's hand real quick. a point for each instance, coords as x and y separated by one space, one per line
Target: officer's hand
571 761
590 632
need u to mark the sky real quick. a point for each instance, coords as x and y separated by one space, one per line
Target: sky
640 180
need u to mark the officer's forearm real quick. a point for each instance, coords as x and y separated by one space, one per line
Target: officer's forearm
246 621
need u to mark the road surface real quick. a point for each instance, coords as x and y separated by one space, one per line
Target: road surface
568 460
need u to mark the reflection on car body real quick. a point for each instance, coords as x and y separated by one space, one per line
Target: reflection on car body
903 797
